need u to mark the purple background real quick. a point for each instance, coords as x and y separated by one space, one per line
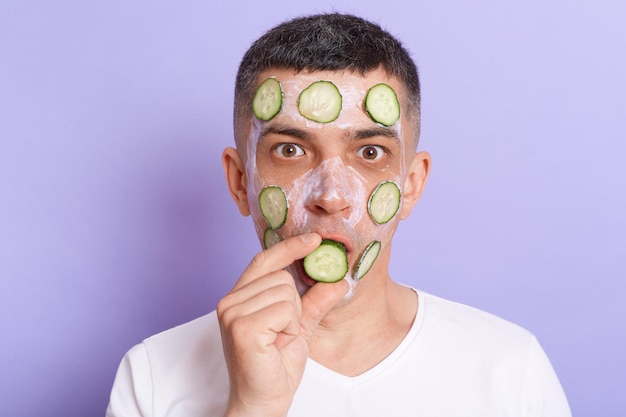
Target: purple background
115 222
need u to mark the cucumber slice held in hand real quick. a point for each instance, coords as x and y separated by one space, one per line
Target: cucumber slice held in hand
384 202
367 259
382 105
274 206
268 99
321 102
327 263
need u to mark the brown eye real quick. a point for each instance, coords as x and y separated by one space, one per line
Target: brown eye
371 152
289 150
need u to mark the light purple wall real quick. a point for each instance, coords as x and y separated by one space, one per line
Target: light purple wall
115 222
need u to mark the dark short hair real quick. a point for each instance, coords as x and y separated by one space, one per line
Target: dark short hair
330 41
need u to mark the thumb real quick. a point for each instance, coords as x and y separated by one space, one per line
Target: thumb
319 300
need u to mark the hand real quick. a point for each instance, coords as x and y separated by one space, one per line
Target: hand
266 328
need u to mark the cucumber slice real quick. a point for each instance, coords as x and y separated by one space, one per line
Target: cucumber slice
320 102
327 263
384 202
367 259
268 99
270 238
382 105
273 205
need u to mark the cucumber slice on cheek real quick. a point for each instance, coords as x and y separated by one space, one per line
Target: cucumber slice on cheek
270 238
367 259
320 102
273 205
327 263
384 202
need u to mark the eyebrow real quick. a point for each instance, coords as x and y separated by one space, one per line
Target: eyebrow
371 132
286 130
354 134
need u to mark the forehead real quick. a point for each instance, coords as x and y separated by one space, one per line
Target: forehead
353 88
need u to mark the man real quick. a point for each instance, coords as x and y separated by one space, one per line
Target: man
317 124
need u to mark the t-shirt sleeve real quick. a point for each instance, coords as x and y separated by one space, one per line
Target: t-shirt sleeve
131 395
543 391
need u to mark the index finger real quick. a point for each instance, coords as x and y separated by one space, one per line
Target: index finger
279 256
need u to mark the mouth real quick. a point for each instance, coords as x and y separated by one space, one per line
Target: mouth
299 264
344 240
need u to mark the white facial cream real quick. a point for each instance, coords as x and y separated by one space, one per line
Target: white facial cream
332 184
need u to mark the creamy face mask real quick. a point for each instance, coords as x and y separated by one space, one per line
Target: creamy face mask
332 181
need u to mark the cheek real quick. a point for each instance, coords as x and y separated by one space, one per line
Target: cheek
255 183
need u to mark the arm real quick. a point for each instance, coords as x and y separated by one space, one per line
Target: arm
544 394
131 395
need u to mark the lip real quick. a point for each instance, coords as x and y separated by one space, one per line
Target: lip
347 243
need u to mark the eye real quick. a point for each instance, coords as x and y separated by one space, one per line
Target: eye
289 150
371 152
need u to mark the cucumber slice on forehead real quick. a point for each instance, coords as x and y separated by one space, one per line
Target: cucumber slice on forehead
273 205
327 263
321 102
382 105
367 259
268 99
384 202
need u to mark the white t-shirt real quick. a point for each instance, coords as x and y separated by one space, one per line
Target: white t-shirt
455 361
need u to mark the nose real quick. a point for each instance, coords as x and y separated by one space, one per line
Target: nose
329 192
328 201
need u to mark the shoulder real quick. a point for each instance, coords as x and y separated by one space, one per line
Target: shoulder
503 351
186 349
462 325
171 370
456 313
201 333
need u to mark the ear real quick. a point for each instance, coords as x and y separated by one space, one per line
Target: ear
415 182
236 179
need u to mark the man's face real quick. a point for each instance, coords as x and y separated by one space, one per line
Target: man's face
329 170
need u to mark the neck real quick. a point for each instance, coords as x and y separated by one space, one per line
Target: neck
372 322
